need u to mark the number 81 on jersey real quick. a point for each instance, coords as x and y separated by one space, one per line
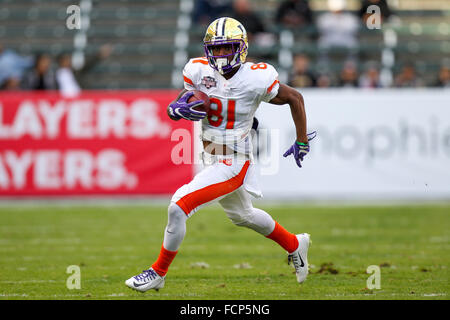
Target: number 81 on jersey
220 112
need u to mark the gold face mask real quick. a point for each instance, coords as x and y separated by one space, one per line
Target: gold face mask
226 32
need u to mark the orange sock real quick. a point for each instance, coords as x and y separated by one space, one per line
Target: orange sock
161 266
287 240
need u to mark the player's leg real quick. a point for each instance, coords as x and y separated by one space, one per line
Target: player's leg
173 236
154 277
212 183
239 209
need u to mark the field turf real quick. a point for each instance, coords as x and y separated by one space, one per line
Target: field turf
218 260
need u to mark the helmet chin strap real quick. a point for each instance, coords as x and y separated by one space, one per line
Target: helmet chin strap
221 62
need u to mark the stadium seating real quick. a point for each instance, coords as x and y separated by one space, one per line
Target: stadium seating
143 33
422 30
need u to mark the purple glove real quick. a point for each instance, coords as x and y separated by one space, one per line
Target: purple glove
299 150
182 109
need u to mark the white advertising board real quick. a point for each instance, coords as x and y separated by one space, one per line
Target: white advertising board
376 144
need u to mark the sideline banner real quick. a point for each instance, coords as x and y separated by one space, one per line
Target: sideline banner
370 144
99 143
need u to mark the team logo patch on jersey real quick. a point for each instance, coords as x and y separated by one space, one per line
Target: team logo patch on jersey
209 82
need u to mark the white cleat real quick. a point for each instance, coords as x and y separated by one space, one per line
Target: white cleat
147 280
300 257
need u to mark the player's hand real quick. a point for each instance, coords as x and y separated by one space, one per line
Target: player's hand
300 150
182 109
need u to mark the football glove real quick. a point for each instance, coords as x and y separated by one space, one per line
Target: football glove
299 149
182 109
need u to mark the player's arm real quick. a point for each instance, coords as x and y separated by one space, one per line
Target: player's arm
288 95
180 107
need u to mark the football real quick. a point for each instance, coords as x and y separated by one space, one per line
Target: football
199 95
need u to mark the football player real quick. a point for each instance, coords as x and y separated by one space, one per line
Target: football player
235 89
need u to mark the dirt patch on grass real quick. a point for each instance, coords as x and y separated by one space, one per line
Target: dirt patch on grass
327 268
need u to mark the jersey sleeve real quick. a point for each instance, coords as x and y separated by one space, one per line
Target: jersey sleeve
192 72
189 76
269 83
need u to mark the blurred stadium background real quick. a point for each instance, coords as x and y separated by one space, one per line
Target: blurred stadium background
152 40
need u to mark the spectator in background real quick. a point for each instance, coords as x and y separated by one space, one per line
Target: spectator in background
68 79
370 78
338 28
443 79
294 13
242 11
65 77
302 76
11 83
206 11
256 32
408 78
40 77
323 80
12 67
382 4
349 75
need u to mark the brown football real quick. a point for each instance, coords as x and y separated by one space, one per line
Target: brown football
199 95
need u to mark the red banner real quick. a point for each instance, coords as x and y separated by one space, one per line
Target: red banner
99 143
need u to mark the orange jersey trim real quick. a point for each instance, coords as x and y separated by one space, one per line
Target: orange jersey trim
194 199
200 60
186 79
272 85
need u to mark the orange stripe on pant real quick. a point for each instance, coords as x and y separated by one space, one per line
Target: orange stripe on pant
194 199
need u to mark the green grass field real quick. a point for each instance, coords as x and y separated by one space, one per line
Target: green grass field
218 260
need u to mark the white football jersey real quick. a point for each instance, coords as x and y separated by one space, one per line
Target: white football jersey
234 101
